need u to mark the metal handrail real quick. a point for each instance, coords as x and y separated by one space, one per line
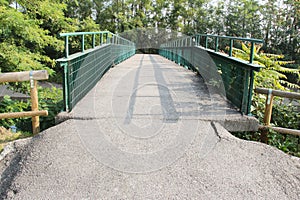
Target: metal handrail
115 39
171 48
82 33
112 50
233 38
231 42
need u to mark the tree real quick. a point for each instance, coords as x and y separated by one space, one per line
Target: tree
243 18
79 9
273 73
29 36
23 42
160 11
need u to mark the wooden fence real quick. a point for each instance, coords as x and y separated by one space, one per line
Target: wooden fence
33 77
268 112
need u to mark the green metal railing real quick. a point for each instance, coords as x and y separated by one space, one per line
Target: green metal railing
82 70
202 54
231 40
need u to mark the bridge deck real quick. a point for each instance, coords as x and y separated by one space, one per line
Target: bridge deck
148 88
146 132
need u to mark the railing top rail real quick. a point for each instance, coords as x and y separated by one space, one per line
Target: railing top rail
83 33
110 38
92 33
233 38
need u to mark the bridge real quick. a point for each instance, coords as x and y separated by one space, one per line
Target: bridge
149 126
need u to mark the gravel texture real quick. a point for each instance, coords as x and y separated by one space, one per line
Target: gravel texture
147 132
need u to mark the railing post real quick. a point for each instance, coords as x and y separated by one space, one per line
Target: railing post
267 117
66 85
34 104
101 38
93 40
82 43
206 42
217 44
245 92
252 52
107 39
268 109
197 40
250 92
230 47
67 46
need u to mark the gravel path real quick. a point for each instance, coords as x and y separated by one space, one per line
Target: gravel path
148 131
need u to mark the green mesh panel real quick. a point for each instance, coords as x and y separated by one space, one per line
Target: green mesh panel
235 75
84 70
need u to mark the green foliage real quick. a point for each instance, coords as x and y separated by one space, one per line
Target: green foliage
273 73
285 113
22 42
49 99
8 105
287 143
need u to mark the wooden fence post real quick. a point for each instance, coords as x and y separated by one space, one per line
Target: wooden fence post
34 106
33 77
268 112
267 117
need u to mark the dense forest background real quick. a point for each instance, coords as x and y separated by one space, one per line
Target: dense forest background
30 28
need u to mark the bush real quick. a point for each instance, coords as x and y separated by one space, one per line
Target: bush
284 114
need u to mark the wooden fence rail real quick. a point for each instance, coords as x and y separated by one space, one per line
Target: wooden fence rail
268 112
33 77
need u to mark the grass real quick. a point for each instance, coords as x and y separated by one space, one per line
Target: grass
8 136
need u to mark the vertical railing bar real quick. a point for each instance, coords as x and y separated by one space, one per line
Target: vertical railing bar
230 47
93 41
66 86
67 46
245 92
71 97
250 92
216 44
82 43
252 52
206 41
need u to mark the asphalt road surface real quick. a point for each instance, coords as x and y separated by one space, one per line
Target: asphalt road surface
148 130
